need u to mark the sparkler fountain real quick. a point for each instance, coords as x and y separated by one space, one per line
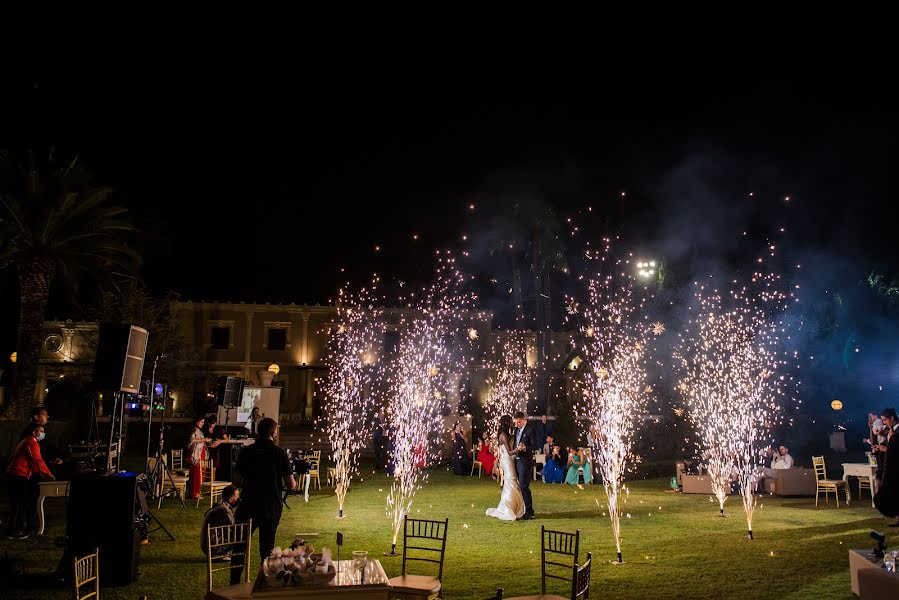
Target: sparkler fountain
511 380
613 341
734 376
416 382
349 374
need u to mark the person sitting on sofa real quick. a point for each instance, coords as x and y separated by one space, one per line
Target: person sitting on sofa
781 460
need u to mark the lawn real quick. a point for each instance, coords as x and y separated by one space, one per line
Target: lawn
675 546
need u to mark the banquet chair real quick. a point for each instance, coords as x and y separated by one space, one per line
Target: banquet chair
559 552
86 572
314 467
426 535
177 466
208 482
475 463
539 459
235 538
824 484
177 487
863 482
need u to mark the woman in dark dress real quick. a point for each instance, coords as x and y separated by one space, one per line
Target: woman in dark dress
461 465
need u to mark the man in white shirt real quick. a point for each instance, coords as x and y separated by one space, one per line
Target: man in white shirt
780 460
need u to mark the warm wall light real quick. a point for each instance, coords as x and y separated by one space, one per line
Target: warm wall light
274 368
836 404
13 357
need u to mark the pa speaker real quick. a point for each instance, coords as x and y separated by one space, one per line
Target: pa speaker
229 390
120 358
102 513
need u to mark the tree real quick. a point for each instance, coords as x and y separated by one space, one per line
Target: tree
54 222
134 304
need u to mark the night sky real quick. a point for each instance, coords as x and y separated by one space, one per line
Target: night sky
257 175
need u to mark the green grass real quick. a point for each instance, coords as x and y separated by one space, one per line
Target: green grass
675 546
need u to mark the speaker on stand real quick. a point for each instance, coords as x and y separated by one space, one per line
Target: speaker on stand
118 366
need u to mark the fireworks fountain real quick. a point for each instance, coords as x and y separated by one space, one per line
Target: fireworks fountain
734 377
416 383
510 382
613 340
351 370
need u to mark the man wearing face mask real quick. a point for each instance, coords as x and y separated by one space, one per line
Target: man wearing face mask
25 470
218 515
40 416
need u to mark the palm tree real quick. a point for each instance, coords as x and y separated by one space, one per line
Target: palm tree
54 222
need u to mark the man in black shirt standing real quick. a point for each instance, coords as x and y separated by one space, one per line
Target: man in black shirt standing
265 469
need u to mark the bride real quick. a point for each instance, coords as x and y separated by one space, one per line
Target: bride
511 503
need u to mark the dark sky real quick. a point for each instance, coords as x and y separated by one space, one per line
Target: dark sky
256 175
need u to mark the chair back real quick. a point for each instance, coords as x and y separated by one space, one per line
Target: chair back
235 538
207 470
86 574
177 459
580 581
820 467
559 551
425 537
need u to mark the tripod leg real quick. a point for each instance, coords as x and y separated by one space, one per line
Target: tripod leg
175 488
161 526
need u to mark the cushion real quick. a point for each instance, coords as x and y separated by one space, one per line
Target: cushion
415 584
832 481
538 597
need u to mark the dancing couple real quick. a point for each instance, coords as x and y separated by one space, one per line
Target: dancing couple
516 459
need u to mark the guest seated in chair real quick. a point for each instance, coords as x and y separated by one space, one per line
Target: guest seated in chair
577 458
217 516
485 455
780 459
554 469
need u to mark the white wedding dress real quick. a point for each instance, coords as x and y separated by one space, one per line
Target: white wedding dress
511 503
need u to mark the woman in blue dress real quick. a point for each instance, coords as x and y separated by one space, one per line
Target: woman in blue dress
553 471
575 461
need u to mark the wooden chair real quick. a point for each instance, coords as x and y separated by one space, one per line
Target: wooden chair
208 482
557 544
177 487
177 466
824 484
539 459
425 535
235 538
314 465
332 477
476 464
86 572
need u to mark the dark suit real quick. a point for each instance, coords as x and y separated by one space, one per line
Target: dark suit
543 431
887 497
524 461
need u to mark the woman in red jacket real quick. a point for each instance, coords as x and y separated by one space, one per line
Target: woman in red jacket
25 469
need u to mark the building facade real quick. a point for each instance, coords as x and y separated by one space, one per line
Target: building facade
238 339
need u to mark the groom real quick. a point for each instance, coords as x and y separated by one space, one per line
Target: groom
527 443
